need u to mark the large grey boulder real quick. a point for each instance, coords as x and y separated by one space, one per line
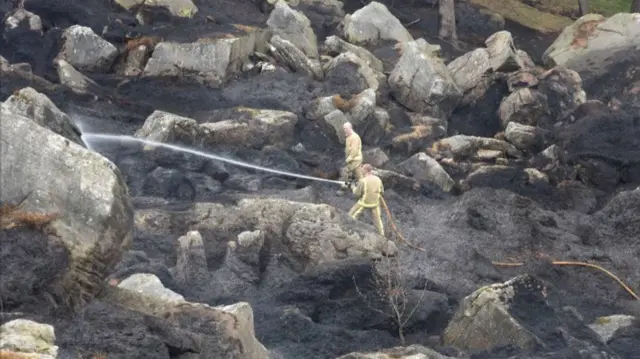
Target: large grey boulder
232 324
191 265
212 59
469 69
245 127
522 136
593 43
4 64
410 352
163 126
288 54
295 27
86 51
525 106
502 52
375 157
95 215
336 45
606 327
17 21
311 233
38 107
368 77
510 314
179 8
129 4
150 285
483 321
463 146
23 338
422 82
373 23
75 80
424 168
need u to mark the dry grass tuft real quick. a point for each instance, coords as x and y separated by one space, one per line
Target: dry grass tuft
343 105
245 28
12 216
7 354
149 42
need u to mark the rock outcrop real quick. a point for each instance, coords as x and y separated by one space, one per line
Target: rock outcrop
593 44
373 23
424 168
85 189
421 81
31 104
86 51
498 315
288 54
335 45
22 338
410 352
212 59
486 158
293 26
251 128
232 324
313 234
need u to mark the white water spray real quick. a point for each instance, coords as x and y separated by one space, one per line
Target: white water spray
80 125
88 137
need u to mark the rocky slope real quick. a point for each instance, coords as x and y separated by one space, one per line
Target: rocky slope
491 152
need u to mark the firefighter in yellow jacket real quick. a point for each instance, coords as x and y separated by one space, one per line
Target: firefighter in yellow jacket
368 190
353 156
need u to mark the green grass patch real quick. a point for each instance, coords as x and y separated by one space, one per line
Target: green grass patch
526 15
550 16
563 7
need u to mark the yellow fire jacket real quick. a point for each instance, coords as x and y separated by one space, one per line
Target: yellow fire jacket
353 148
369 190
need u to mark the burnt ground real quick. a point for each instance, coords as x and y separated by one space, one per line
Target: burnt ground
463 234
30 262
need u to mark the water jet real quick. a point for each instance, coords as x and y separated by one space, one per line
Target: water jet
89 137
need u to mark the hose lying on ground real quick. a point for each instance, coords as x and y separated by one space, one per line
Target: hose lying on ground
579 264
395 228
515 264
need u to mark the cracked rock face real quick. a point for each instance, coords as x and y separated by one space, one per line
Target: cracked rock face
87 51
373 23
96 226
594 44
422 82
295 27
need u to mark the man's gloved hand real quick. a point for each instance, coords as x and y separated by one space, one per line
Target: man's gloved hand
352 185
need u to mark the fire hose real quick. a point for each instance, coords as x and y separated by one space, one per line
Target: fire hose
395 229
579 264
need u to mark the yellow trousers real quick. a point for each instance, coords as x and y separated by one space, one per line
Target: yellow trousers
357 209
352 170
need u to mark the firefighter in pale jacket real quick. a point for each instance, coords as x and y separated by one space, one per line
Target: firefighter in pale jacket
352 169
369 190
